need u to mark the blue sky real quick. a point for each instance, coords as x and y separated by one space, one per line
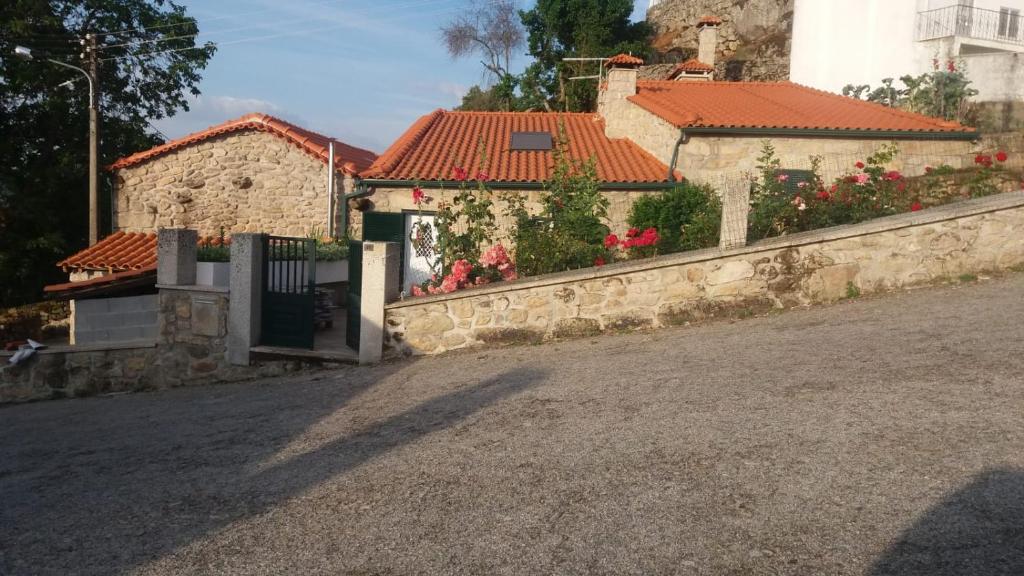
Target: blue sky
359 70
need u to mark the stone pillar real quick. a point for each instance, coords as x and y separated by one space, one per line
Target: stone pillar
735 207
246 296
381 261
176 257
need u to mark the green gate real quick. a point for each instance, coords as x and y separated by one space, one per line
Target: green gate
289 292
377 227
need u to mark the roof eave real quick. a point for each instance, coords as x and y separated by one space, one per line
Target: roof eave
833 133
508 185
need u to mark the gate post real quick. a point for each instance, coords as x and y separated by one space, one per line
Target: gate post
246 295
176 256
381 262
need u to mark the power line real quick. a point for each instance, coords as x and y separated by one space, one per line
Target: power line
271 24
265 37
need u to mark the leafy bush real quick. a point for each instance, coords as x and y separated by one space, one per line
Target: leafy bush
939 93
687 217
569 232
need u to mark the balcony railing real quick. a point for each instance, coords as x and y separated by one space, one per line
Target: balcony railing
977 23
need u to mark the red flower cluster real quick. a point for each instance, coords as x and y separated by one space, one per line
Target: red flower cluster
611 241
459 174
637 239
859 165
915 206
892 175
599 261
986 160
824 195
417 195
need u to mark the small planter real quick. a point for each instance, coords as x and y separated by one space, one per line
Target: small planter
332 272
213 274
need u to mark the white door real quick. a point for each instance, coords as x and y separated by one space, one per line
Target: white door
418 258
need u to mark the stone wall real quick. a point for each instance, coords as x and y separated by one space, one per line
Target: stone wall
822 266
400 199
247 181
126 318
716 159
754 40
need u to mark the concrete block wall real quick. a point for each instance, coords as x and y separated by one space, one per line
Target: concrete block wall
113 320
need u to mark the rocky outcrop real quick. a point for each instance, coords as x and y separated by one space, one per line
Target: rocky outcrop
753 40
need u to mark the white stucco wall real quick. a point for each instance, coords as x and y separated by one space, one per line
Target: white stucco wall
840 42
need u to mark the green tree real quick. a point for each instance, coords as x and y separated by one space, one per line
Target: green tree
558 29
940 93
149 63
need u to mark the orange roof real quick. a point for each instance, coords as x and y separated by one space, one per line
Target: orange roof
624 60
709 21
781 105
442 140
691 65
313 143
117 252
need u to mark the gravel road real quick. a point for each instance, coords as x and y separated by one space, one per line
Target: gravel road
876 436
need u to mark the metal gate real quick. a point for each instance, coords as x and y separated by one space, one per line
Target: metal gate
377 227
289 292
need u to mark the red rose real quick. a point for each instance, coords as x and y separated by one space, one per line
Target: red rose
915 206
417 195
459 174
599 261
1001 156
632 232
859 165
951 66
823 195
611 241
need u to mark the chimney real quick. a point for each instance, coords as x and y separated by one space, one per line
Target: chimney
622 74
707 39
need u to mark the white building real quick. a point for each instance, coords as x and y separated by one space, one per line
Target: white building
840 42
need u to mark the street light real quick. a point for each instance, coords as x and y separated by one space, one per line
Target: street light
28 54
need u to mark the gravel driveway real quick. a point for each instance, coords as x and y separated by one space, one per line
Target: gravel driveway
878 436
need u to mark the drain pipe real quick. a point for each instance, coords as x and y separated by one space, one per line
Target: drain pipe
332 176
361 190
681 141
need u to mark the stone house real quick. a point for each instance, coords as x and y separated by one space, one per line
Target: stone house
516 152
713 131
256 173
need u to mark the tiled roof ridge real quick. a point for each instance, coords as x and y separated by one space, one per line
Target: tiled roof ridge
391 157
259 121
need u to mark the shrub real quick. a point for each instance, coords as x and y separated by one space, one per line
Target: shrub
687 217
569 232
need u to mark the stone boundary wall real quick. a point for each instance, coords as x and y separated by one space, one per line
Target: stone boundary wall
820 266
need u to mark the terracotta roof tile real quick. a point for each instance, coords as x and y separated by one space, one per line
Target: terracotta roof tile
441 140
709 21
624 60
776 105
117 252
691 65
313 143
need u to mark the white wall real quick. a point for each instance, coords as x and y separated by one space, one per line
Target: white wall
840 42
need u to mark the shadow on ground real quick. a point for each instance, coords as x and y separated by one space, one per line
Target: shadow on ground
977 530
165 474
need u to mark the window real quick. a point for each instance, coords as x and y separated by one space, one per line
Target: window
1009 22
531 141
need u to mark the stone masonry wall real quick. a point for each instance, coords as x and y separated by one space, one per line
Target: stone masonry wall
822 266
400 199
248 181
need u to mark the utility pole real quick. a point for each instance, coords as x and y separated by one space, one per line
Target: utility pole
92 57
